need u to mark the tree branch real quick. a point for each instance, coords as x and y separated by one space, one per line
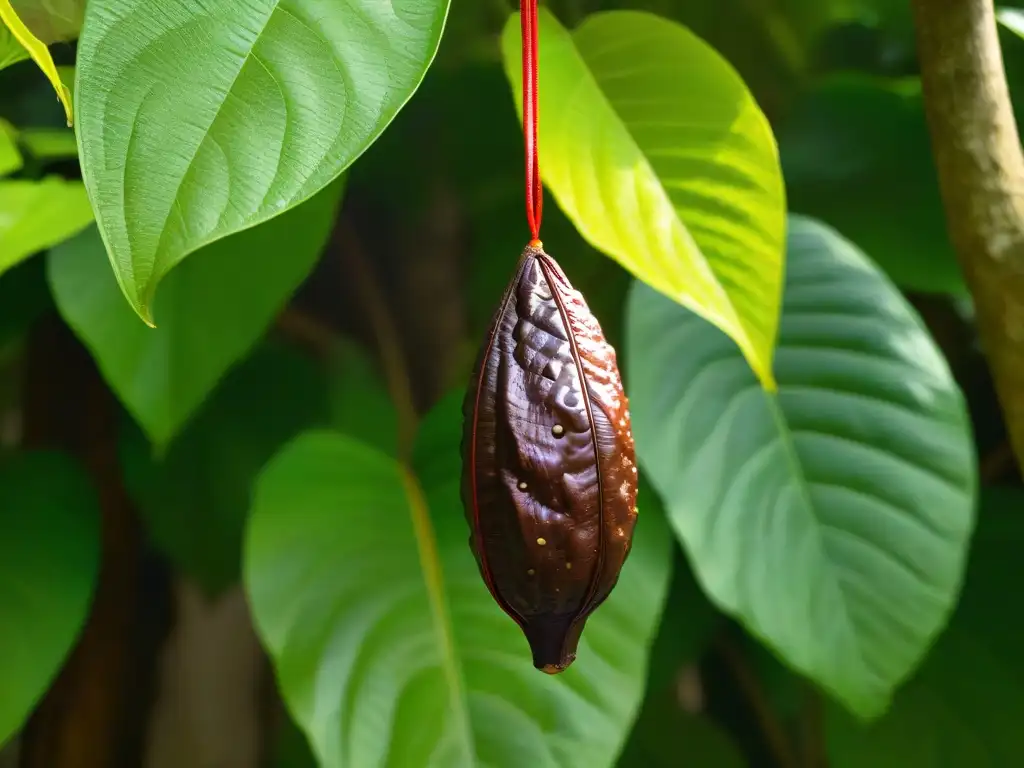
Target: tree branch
981 175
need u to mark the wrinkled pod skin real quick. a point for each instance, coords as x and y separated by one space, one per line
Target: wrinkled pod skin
549 478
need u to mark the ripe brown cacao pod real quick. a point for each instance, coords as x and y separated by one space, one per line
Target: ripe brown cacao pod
549 478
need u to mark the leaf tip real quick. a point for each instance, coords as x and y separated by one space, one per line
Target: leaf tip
144 312
142 303
64 97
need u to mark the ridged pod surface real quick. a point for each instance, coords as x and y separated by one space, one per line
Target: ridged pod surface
549 478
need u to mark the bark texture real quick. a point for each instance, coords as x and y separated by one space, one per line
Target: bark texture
981 175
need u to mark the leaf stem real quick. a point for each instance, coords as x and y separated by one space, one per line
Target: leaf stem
389 345
400 388
430 562
774 734
307 331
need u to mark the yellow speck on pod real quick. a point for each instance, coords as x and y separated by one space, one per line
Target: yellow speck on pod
542 542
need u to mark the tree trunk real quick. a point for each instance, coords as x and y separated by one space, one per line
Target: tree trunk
981 175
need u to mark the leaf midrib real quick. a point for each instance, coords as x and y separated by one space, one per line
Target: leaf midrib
195 153
734 319
433 578
803 489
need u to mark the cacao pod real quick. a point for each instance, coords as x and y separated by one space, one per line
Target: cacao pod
549 479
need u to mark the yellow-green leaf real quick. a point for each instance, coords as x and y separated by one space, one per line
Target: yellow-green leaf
11 51
35 215
657 151
38 51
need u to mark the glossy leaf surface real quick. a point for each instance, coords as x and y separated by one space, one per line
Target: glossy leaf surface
833 518
282 95
962 709
549 471
386 643
49 558
681 185
162 375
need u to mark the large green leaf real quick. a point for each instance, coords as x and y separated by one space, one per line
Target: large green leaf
387 645
196 498
211 312
35 215
857 155
49 558
833 517
280 97
658 153
963 708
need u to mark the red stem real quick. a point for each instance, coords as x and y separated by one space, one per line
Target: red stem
534 188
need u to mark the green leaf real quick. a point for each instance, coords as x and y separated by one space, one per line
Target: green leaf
360 404
281 97
195 499
52 21
36 215
387 645
49 558
211 312
665 736
36 48
681 185
963 708
856 153
49 143
10 157
1012 19
11 51
833 517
